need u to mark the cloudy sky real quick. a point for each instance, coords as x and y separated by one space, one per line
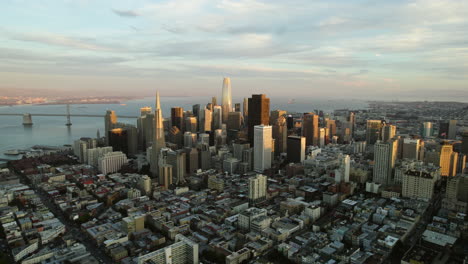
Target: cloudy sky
344 49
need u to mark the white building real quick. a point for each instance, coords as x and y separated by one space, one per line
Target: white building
262 147
94 154
385 154
112 162
257 188
183 250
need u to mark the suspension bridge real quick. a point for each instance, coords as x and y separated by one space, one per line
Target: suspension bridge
27 117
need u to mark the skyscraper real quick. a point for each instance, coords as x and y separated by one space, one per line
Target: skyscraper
226 99
280 134
331 126
159 140
259 113
205 120
420 182
374 128
352 121
110 120
310 129
257 188
411 149
448 160
388 132
464 146
296 149
165 175
262 147
448 129
191 124
385 154
177 117
118 139
427 130
217 117
246 109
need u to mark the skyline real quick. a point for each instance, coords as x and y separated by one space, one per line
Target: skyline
403 49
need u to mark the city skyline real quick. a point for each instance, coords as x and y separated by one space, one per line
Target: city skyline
353 49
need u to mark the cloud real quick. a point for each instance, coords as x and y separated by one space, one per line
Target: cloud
125 13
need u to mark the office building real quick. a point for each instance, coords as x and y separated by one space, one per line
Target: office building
310 129
118 139
234 121
112 162
385 154
94 154
296 149
262 147
159 140
352 123
165 175
448 160
412 149
191 124
110 120
205 120
245 108
177 117
226 99
388 132
257 188
373 131
259 113
175 137
190 139
342 173
448 129
280 134
456 196
331 126
237 107
217 117
427 130
178 161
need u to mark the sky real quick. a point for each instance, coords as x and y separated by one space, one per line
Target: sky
295 48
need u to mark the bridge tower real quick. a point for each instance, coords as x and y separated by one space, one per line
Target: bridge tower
68 116
27 120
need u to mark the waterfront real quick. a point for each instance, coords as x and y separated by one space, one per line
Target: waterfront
52 130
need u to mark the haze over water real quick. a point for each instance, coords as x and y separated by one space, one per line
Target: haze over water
52 130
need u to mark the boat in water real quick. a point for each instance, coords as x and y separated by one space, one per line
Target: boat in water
12 152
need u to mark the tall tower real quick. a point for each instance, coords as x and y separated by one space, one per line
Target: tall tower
373 131
109 122
388 132
158 140
448 160
263 145
226 99
245 109
177 117
259 113
257 188
280 134
310 129
385 154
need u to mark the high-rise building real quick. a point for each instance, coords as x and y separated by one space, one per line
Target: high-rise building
118 139
190 139
177 160
427 130
448 129
310 129
257 188
165 175
280 134
448 160
352 122
217 117
331 126
144 184
112 162
275 114
259 113
196 110
183 251
237 107
388 132
342 173
296 149
385 154
214 101
456 196
159 140
412 149
420 182
323 135
175 137
192 160
177 117
94 154
461 163
109 121
373 130
464 145
262 147
234 121
245 108
191 124
226 99
205 120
